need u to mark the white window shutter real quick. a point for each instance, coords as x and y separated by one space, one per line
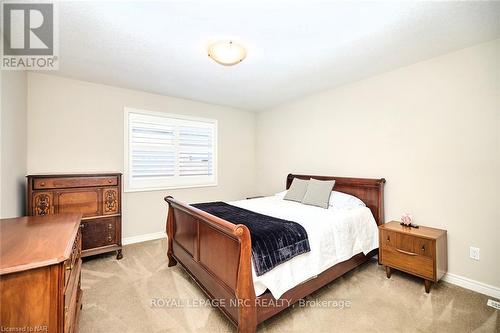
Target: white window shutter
195 151
152 149
166 151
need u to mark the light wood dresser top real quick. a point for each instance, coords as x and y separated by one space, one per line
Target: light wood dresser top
36 241
421 231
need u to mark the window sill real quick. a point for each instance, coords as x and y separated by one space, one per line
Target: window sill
154 189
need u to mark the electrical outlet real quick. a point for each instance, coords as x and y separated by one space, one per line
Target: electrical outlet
474 253
493 304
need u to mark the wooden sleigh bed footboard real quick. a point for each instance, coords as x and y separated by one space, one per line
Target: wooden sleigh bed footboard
217 255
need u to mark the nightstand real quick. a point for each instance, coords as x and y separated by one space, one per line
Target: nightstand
417 251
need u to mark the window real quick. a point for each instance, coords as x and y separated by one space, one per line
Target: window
168 151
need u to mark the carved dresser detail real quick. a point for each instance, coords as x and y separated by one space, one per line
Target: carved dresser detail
96 196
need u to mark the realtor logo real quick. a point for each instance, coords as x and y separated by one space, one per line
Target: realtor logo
29 36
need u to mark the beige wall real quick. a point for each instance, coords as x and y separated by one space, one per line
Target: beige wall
431 129
12 143
76 126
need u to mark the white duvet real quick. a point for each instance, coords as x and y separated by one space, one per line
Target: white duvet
335 235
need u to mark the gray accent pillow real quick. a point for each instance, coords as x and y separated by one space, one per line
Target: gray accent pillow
318 192
297 190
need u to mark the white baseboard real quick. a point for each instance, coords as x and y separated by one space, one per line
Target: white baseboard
143 238
476 286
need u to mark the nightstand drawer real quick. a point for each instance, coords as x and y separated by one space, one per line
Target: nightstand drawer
409 262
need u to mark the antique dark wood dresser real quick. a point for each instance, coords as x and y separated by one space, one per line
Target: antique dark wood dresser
96 196
40 270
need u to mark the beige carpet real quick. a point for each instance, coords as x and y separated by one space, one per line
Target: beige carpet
118 297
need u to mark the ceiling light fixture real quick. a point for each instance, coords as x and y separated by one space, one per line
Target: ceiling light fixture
226 52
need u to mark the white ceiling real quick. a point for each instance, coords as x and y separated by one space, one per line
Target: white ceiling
294 47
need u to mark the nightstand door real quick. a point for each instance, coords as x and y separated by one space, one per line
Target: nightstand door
424 247
388 238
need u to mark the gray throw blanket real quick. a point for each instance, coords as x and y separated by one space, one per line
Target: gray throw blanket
274 240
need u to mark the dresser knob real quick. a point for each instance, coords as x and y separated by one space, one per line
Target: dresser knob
82 226
423 248
110 181
42 184
388 238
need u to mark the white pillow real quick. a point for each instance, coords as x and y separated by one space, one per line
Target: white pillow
337 200
344 201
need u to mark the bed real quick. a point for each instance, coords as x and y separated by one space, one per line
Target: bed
217 254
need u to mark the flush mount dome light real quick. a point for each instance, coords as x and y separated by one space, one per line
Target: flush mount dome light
227 52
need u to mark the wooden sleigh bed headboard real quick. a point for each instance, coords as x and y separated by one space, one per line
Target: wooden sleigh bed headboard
370 191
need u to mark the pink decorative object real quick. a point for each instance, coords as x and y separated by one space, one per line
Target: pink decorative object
406 219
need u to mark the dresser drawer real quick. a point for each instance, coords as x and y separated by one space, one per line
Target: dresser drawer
70 264
53 183
99 232
72 285
408 261
73 281
71 306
